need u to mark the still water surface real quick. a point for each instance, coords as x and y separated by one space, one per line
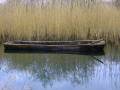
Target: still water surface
35 71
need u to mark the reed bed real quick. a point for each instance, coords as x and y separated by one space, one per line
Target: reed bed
18 22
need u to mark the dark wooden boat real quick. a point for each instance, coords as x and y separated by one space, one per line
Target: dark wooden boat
85 46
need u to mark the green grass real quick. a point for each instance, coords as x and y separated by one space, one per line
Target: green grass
59 23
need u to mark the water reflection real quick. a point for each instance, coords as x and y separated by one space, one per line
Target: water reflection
59 71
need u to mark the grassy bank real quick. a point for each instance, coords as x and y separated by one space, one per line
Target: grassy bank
59 23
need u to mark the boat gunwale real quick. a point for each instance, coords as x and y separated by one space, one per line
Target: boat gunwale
61 41
99 43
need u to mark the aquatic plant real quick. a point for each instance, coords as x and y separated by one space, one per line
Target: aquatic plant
59 21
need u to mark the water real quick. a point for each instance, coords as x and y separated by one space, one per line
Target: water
35 71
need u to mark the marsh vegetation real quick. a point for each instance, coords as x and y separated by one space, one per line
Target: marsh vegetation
59 20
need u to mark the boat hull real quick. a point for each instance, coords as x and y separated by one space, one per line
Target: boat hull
85 49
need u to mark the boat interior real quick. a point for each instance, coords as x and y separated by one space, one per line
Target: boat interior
77 42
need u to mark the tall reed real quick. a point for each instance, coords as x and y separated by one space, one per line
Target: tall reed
54 22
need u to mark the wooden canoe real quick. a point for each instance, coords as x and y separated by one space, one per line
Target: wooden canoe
56 46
